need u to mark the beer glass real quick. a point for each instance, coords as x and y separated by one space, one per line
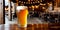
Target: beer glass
22 12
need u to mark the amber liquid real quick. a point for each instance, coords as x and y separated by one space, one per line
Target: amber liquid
22 17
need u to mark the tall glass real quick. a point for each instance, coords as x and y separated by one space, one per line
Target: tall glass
22 12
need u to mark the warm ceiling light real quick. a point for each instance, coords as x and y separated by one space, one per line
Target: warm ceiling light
32 6
41 4
43 7
36 6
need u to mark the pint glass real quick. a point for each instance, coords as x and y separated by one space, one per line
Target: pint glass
22 12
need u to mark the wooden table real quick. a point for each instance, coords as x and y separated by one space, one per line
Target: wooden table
30 27
53 26
34 27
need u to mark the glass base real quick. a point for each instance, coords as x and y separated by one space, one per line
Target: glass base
22 26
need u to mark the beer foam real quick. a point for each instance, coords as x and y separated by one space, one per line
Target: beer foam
21 7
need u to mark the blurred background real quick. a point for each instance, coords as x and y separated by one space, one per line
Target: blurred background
41 10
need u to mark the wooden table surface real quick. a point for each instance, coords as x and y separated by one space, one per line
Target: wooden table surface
34 27
37 27
30 27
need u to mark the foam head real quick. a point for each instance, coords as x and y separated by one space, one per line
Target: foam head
21 8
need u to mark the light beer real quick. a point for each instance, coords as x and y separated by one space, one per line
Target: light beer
22 13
